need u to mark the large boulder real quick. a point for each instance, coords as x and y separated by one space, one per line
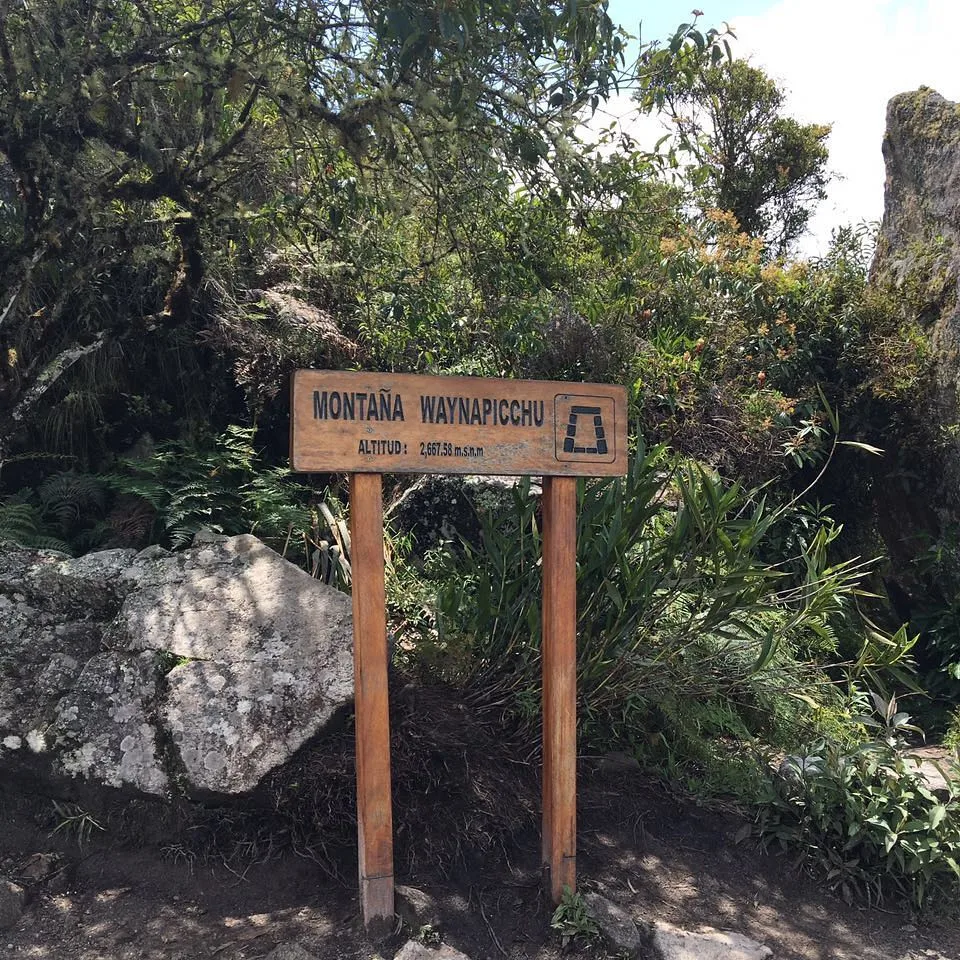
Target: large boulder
915 488
918 250
191 673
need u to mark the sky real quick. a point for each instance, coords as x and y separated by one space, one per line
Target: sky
839 61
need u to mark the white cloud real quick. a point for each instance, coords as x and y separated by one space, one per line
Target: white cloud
841 60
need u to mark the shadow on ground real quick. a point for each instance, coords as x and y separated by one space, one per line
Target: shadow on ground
232 883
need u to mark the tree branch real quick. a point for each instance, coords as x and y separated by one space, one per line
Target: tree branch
51 374
21 283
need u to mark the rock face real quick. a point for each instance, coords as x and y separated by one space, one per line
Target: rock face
197 672
917 266
918 250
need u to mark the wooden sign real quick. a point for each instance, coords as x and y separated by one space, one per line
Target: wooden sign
406 423
374 423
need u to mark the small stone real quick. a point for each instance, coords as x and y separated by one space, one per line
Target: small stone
12 900
617 763
206 535
289 951
616 925
153 552
706 944
908 928
416 908
40 867
414 950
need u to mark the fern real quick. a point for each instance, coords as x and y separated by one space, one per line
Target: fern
219 484
224 486
22 523
70 497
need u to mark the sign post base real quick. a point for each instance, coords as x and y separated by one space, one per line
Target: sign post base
374 806
559 658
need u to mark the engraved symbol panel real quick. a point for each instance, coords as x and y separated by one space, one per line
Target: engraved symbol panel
585 428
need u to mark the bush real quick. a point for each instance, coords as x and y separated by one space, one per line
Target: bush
223 485
865 819
64 513
684 630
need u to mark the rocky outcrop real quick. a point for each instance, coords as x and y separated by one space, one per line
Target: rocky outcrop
918 250
915 487
194 673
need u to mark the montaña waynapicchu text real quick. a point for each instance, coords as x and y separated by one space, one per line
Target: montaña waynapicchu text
434 409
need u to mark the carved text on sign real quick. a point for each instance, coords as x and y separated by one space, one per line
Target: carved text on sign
406 423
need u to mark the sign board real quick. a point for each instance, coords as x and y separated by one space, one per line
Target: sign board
372 423
407 423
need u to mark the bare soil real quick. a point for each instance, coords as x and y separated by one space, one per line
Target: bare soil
153 887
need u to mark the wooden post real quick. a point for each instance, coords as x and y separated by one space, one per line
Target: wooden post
367 423
559 656
374 811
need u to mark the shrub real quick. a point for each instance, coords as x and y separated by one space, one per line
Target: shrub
64 513
676 606
865 820
224 486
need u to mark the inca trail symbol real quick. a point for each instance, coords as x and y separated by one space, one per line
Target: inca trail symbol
599 434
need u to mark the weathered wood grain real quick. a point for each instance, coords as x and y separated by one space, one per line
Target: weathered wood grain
559 655
406 423
374 809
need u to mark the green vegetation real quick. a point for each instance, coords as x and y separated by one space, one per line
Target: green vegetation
572 918
866 818
765 168
197 199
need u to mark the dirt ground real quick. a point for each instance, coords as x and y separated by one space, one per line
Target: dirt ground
140 895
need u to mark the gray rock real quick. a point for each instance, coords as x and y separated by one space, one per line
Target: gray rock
616 764
918 260
616 925
12 900
289 951
103 727
706 944
266 657
153 552
414 950
417 908
197 672
206 535
938 768
41 867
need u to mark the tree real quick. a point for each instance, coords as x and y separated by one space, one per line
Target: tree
768 169
150 149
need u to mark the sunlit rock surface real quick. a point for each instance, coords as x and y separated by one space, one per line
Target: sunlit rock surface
189 673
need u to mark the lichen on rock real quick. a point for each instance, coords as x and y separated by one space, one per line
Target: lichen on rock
198 672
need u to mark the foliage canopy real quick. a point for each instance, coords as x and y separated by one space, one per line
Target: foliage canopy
749 158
